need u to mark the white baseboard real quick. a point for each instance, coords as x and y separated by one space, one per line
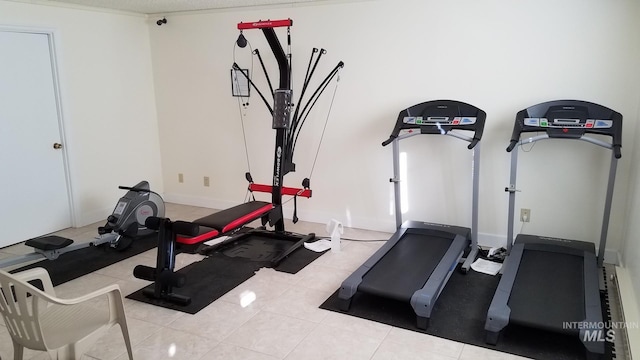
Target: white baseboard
629 309
348 220
304 214
84 218
197 201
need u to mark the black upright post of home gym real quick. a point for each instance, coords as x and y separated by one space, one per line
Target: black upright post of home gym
283 160
281 117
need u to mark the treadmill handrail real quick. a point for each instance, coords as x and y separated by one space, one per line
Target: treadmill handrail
450 133
576 109
442 129
534 139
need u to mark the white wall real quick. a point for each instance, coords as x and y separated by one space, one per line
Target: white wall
629 271
107 97
501 56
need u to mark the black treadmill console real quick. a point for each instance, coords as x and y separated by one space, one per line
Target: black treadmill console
569 119
439 117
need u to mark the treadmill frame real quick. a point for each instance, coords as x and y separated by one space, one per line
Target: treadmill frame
423 300
499 312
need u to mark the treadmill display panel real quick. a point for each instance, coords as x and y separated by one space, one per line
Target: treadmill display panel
441 120
569 119
438 117
567 123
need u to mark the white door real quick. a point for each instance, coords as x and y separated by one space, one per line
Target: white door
34 197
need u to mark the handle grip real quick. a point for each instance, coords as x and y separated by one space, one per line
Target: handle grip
389 140
512 145
473 143
133 189
616 151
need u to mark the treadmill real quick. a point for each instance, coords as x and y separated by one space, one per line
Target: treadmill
416 262
549 282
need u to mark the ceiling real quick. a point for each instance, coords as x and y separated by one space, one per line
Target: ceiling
168 6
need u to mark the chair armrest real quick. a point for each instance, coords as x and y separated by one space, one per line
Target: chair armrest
37 274
109 290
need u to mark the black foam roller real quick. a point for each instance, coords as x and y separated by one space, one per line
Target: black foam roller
186 228
144 272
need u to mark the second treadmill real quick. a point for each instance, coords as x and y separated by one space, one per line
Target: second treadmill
415 264
552 283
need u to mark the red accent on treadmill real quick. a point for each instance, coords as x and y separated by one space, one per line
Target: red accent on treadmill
565 130
247 218
265 24
285 190
198 238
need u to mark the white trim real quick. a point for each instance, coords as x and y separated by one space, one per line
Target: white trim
258 7
77 7
629 308
485 240
55 73
64 138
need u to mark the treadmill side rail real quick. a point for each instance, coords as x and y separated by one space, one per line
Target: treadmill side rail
499 311
424 299
592 306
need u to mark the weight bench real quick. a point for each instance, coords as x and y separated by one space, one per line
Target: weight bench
224 221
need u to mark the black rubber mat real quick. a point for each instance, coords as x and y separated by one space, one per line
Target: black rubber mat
75 264
214 276
460 314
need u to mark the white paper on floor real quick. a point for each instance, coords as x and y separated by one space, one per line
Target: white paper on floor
486 266
318 246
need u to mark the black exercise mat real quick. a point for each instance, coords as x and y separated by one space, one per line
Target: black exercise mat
214 276
75 264
207 280
460 314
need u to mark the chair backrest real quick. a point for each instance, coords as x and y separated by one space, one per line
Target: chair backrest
20 303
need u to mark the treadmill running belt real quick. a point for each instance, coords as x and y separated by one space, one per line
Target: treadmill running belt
548 290
406 267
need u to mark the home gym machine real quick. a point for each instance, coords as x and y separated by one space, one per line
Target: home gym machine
415 264
287 126
125 223
257 244
550 282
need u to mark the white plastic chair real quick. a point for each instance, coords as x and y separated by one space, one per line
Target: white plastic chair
65 328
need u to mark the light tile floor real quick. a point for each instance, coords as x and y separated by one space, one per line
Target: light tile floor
284 322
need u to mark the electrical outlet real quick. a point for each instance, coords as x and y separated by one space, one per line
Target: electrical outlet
525 215
206 181
180 178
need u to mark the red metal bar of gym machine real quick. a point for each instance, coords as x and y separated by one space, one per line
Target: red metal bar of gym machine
265 24
285 190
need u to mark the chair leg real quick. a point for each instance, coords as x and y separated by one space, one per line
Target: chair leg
127 339
18 350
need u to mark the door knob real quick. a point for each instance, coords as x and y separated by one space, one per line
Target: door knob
57 146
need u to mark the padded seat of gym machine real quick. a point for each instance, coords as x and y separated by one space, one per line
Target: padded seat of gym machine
46 243
226 220
236 216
